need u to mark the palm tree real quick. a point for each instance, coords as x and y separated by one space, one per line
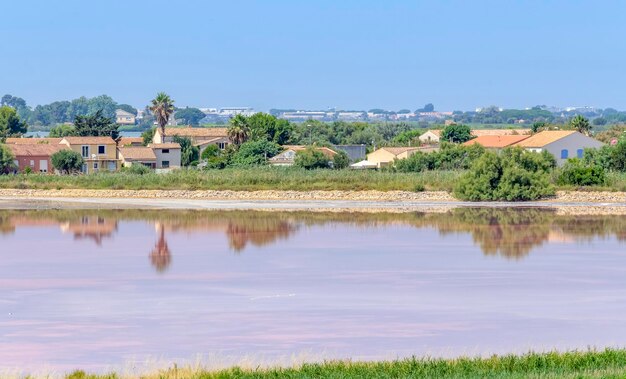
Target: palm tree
162 108
238 131
581 125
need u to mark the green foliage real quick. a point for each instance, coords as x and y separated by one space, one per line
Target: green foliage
96 125
10 123
511 176
341 160
62 130
266 126
255 153
449 157
456 133
162 107
137 169
147 136
6 160
189 116
609 157
600 121
211 151
537 126
409 137
580 124
67 161
238 130
188 152
311 159
577 172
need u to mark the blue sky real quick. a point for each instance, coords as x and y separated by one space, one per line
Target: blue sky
349 54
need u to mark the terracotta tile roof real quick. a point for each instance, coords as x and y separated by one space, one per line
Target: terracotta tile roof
33 141
544 138
496 141
137 153
399 150
196 132
124 141
90 140
170 145
325 150
500 132
25 150
208 141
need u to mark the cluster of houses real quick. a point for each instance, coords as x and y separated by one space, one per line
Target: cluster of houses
562 144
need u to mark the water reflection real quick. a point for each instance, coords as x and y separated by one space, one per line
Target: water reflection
511 233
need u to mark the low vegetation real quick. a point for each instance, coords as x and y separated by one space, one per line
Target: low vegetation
590 364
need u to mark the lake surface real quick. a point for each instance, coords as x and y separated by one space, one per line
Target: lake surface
102 289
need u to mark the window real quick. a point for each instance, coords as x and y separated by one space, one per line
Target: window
165 151
165 164
95 166
85 151
102 149
564 154
579 153
221 145
112 166
32 163
84 168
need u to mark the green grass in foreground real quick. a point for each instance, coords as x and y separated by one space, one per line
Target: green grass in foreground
243 179
592 364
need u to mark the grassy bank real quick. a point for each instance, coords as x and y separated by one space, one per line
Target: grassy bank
602 364
243 179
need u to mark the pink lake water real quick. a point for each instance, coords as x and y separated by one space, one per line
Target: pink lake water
98 289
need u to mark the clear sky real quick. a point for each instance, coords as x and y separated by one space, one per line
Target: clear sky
349 54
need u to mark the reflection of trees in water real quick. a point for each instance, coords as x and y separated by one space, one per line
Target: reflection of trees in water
508 232
161 257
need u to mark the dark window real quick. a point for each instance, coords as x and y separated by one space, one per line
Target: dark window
101 149
85 151
165 151
165 164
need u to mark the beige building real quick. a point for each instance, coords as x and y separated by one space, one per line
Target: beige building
562 144
99 153
200 137
386 155
137 155
124 118
167 155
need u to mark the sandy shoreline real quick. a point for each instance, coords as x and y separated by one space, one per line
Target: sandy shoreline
572 203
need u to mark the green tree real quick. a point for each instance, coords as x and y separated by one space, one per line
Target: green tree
211 151
578 173
537 126
67 161
581 125
96 125
600 121
190 116
311 159
238 130
188 152
147 136
341 160
7 165
456 133
127 108
10 123
266 126
255 153
63 130
104 104
162 107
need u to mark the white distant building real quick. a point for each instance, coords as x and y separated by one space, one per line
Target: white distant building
233 111
304 115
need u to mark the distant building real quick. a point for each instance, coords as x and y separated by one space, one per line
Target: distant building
355 152
430 137
288 156
233 111
137 155
385 156
562 144
130 141
496 142
124 118
99 153
168 155
36 157
200 137
304 115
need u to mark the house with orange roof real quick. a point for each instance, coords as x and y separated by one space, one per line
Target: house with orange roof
200 137
130 155
99 153
34 157
385 156
288 156
33 141
433 136
562 144
496 142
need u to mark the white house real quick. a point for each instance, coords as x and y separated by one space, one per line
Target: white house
431 136
563 144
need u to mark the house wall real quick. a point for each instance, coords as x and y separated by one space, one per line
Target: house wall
571 143
104 162
125 120
36 163
381 157
429 137
173 157
355 152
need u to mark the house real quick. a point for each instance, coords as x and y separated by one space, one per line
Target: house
433 136
130 141
200 137
36 157
430 137
167 155
496 142
33 141
562 144
99 153
137 155
386 155
288 156
124 118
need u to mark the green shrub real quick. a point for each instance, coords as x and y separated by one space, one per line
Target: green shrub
311 159
255 152
578 173
6 160
188 152
341 160
456 133
211 151
513 175
449 157
137 169
67 161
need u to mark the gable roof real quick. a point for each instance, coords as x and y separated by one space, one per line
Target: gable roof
121 112
137 153
496 141
196 132
169 145
33 141
398 150
326 151
33 150
436 132
500 132
544 138
89 140
123 141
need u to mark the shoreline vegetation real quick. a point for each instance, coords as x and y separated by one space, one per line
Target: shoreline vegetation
609 363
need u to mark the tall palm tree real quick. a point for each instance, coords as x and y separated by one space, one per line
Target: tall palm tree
238 131
581 125
162 108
